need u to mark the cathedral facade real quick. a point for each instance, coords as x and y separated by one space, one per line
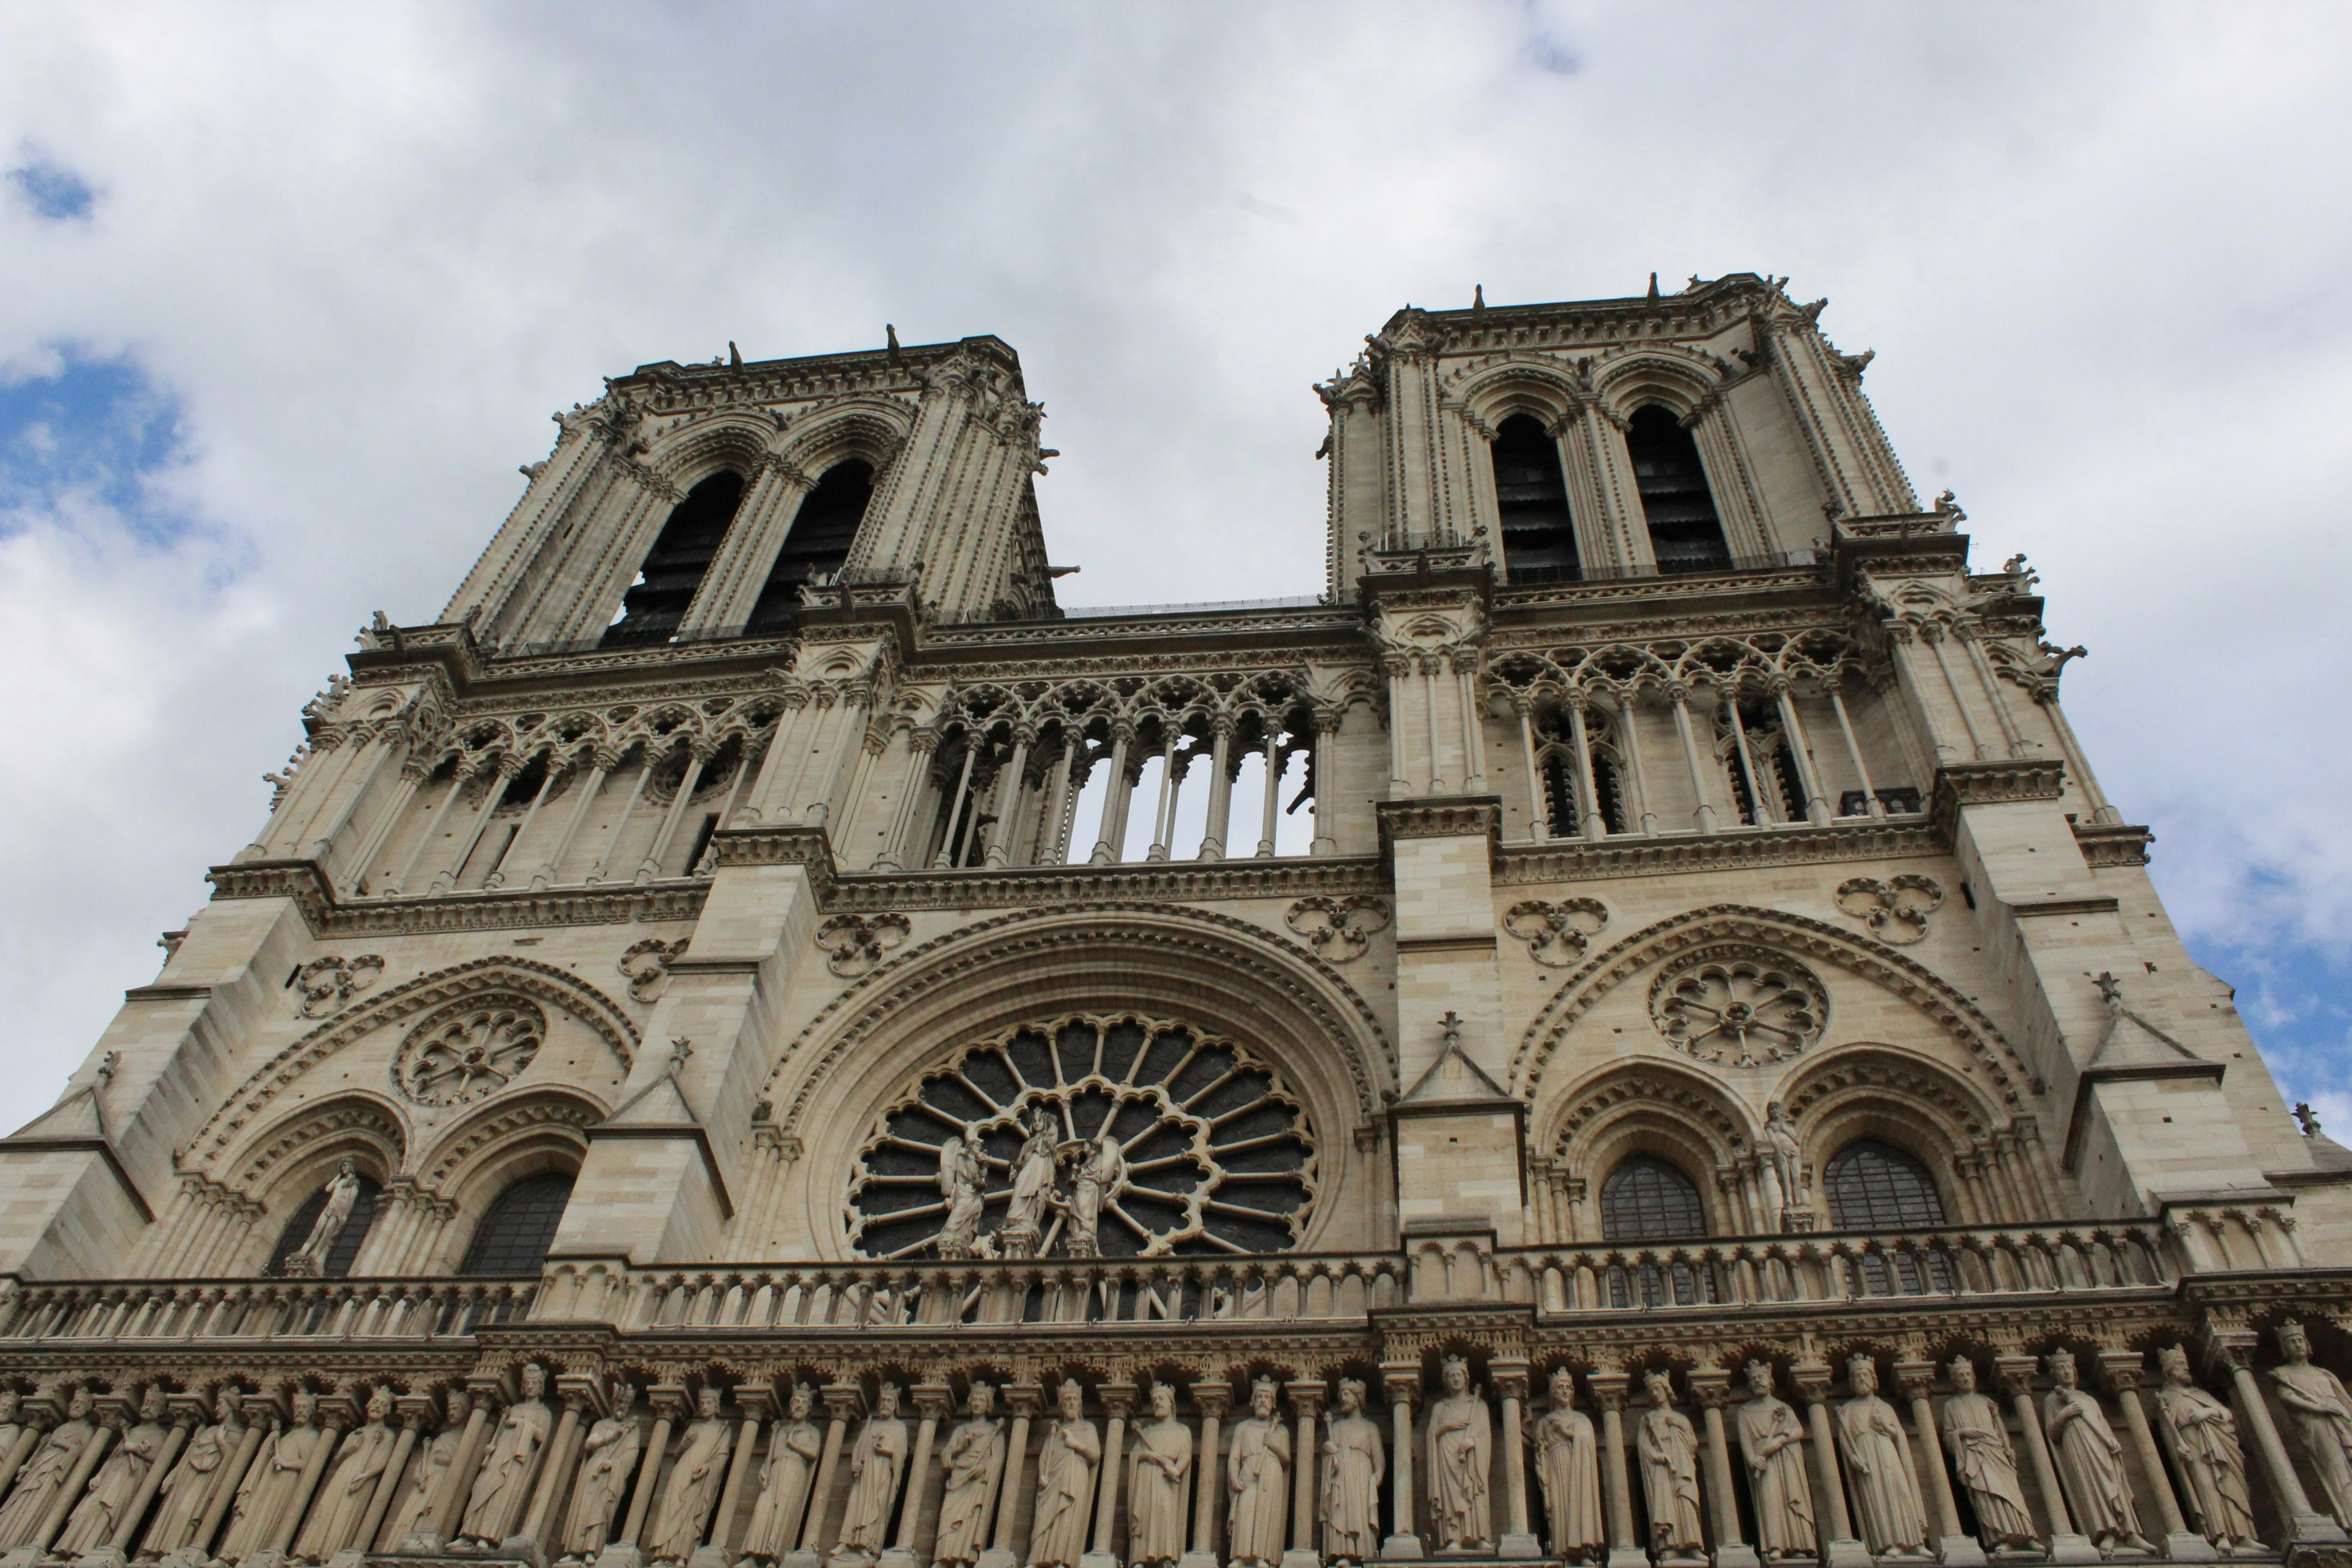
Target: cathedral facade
737 1042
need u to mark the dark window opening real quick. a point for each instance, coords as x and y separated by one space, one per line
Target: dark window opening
1874 1186
346 1245
817 542
657 603
701 843
1609 784
1743 788
1646 1199
1539 536
1793 797
1559 798
1685 534
1853 802
520 1227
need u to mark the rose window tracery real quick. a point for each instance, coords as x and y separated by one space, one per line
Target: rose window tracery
1739 1006
1087 1135
466 1053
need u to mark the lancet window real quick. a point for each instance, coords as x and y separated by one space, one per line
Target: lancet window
1539 535
1685 533
1646 1199
519 1227
1871 1185
657 602
1766 784
817 543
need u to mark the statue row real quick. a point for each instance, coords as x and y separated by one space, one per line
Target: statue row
243 1479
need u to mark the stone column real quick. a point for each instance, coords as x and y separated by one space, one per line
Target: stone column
1711 1386
1809 778
337 1419
1024 1400
555 1473
1401 1381
601 763
416 1414
547 782
961 802
1008 800
2016 1375
457 777
843 1402
757 1401
1703 818
232 1476
1327 808
1626 716
509 765
1115 786
1870 800
1211 1400
1117 1399
1608 1393
1509 1377
668 1402
2123 1372
2304 1523
920 743
931 1402
1305 1396
1221 790
1589 814
1841 1549
186 1413
1958 1548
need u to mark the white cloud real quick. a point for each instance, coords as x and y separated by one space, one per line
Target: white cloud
370 248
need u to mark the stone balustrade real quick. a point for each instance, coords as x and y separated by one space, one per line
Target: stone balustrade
138 1311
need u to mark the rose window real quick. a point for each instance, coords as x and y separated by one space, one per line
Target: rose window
468 1051
1112 1136
1739 1006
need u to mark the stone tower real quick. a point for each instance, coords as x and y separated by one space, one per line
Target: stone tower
743 953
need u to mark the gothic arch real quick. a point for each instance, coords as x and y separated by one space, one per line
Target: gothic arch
1222 974
1677 381
1539 387
541 982
1656 1107
1798 935
1869 1089
689 454
286 1162
533 1131
874 428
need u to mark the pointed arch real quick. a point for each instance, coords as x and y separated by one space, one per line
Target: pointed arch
539 981
872 428
1961 1019
1677 380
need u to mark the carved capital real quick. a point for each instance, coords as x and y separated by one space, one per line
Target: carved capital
1307 1397
1213 1399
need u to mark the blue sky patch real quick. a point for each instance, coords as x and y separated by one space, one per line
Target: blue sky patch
96 430
52 190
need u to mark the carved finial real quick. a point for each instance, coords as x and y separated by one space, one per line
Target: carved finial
1478 297
1654 285
2309 1118
2111 990
106 1066
1452 1025
891 333
679 1050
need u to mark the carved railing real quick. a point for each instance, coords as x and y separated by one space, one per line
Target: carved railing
978 1294
1778 1271
161 1311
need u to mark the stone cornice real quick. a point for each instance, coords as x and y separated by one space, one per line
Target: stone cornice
1440 816
1573 859
2107 844
604 904
1961 785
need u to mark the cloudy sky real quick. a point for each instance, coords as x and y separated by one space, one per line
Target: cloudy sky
287 291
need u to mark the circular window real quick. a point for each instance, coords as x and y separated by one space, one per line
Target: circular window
466 1052
1115 1136
1740 1006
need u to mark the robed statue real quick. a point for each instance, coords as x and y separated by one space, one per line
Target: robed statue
2090 1460
2202 1434
1461 1441
1668 1447
1977 1437
1257 1475
1156 1488
1568 1464
974 1461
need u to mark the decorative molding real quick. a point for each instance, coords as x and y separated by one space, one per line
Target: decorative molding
1339 928
853 945
505 909
1739 1005
1440 816
328 982
1556 934
1579 860
648 964
2106 844
1993 783
1897 910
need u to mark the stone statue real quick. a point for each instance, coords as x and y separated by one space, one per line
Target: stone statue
1977 1437
413 1508
106 1502
2090 1460
1156 1488
1098 1179
2321 1411
1256 1483
501 1490
607 1458
308 1261
1567 1465
874 1462
271 1487
793 1451
974 1461
342 1504
692 1489
1066 1485
2202 1434
188 1490
1772 1442
1878 1470
1460 1439
1354 1463
44 1472
1668 1447
1033 1188
960 1183
1784 1165
11 1428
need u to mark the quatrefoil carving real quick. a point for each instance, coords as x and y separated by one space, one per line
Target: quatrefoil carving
1556 934
1337 929
1897 910
856 944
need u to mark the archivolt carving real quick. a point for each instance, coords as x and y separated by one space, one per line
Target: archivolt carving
541 982
1897 910
1888 1071
1791 934
359 1116
560 1109
1340 1014
1684 1098
1556 934
1739 1005
326 982
1339 928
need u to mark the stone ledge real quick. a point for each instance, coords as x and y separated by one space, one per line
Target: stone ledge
1573 859
2113 844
